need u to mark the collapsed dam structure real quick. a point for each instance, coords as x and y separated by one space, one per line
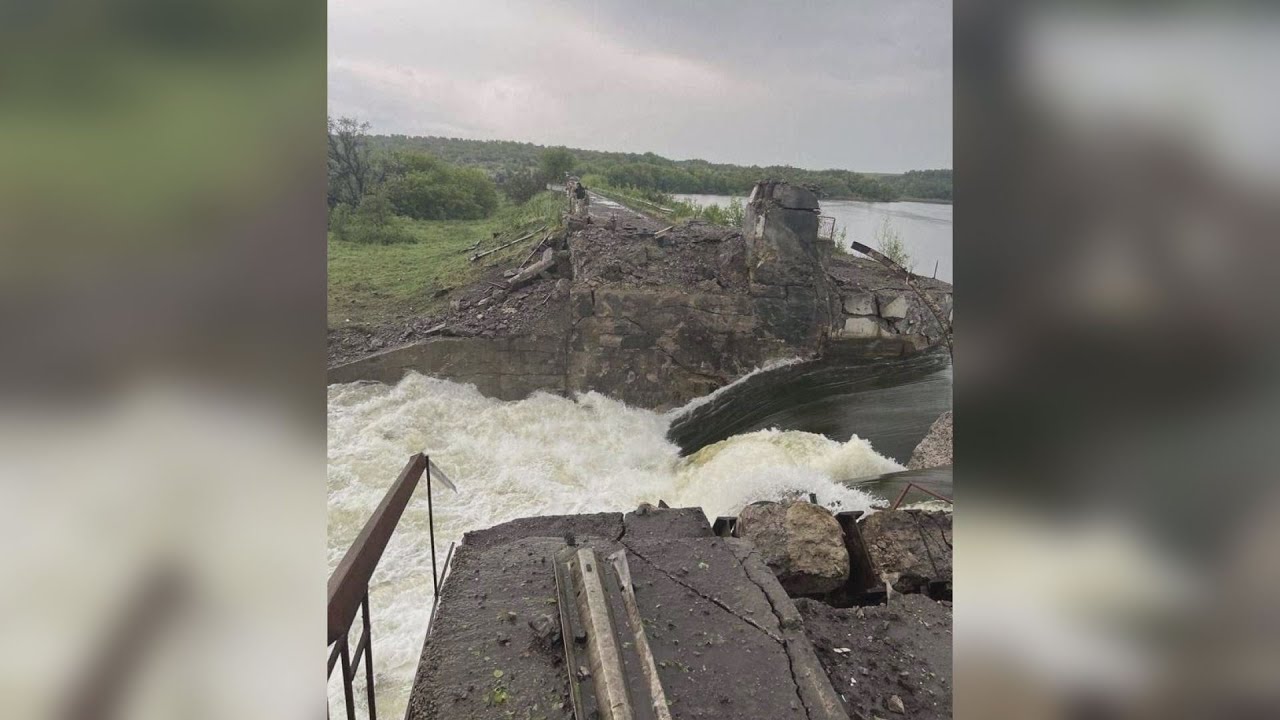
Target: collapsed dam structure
784 609
656 316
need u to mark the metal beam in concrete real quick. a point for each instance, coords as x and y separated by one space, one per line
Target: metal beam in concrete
605 640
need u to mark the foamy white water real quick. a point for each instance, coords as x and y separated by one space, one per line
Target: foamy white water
545 455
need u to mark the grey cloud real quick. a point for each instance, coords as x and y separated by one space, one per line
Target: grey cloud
864 86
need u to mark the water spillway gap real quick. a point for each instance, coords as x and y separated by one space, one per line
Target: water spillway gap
553 455
890 403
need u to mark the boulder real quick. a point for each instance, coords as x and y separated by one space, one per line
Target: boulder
908 548
935 449
800 542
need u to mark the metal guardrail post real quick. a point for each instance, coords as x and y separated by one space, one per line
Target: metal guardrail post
349 584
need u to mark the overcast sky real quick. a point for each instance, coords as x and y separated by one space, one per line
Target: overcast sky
856 84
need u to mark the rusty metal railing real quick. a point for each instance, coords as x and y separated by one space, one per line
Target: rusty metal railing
349 583
903 495
826 227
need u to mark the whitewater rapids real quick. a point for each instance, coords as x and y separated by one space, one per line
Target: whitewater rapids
543 455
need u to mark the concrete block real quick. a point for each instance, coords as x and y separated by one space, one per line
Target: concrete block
860 304
893 306
794 197
861 327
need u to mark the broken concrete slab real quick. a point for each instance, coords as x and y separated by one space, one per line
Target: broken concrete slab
862 327
794 197
698 588
651 523
482 657
860 304
892 306
725 639
598 525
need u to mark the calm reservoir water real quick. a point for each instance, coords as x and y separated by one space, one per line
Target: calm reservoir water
925 228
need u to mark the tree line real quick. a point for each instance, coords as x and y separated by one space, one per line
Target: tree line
373 187
504 159
377 181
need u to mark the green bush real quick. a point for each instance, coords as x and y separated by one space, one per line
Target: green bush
424 188
889 242
519 187
373 222
737 211
730 215
555 163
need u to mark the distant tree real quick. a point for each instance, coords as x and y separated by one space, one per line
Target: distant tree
555 162
653 172
350 166
521 185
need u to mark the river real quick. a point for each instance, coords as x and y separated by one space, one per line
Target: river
925 228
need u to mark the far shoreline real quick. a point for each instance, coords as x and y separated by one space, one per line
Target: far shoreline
927 201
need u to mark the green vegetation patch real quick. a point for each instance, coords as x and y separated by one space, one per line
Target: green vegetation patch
370 284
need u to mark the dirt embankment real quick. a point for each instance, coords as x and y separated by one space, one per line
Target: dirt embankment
652 314
618 247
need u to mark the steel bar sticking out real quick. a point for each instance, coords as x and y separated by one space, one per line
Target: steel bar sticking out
431 529
902 495
435 599
911 283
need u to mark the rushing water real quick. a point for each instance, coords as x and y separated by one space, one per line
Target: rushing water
891 404
795 428
925 228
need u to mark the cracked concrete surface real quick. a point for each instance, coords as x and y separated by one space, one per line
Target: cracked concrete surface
713 600
726 639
